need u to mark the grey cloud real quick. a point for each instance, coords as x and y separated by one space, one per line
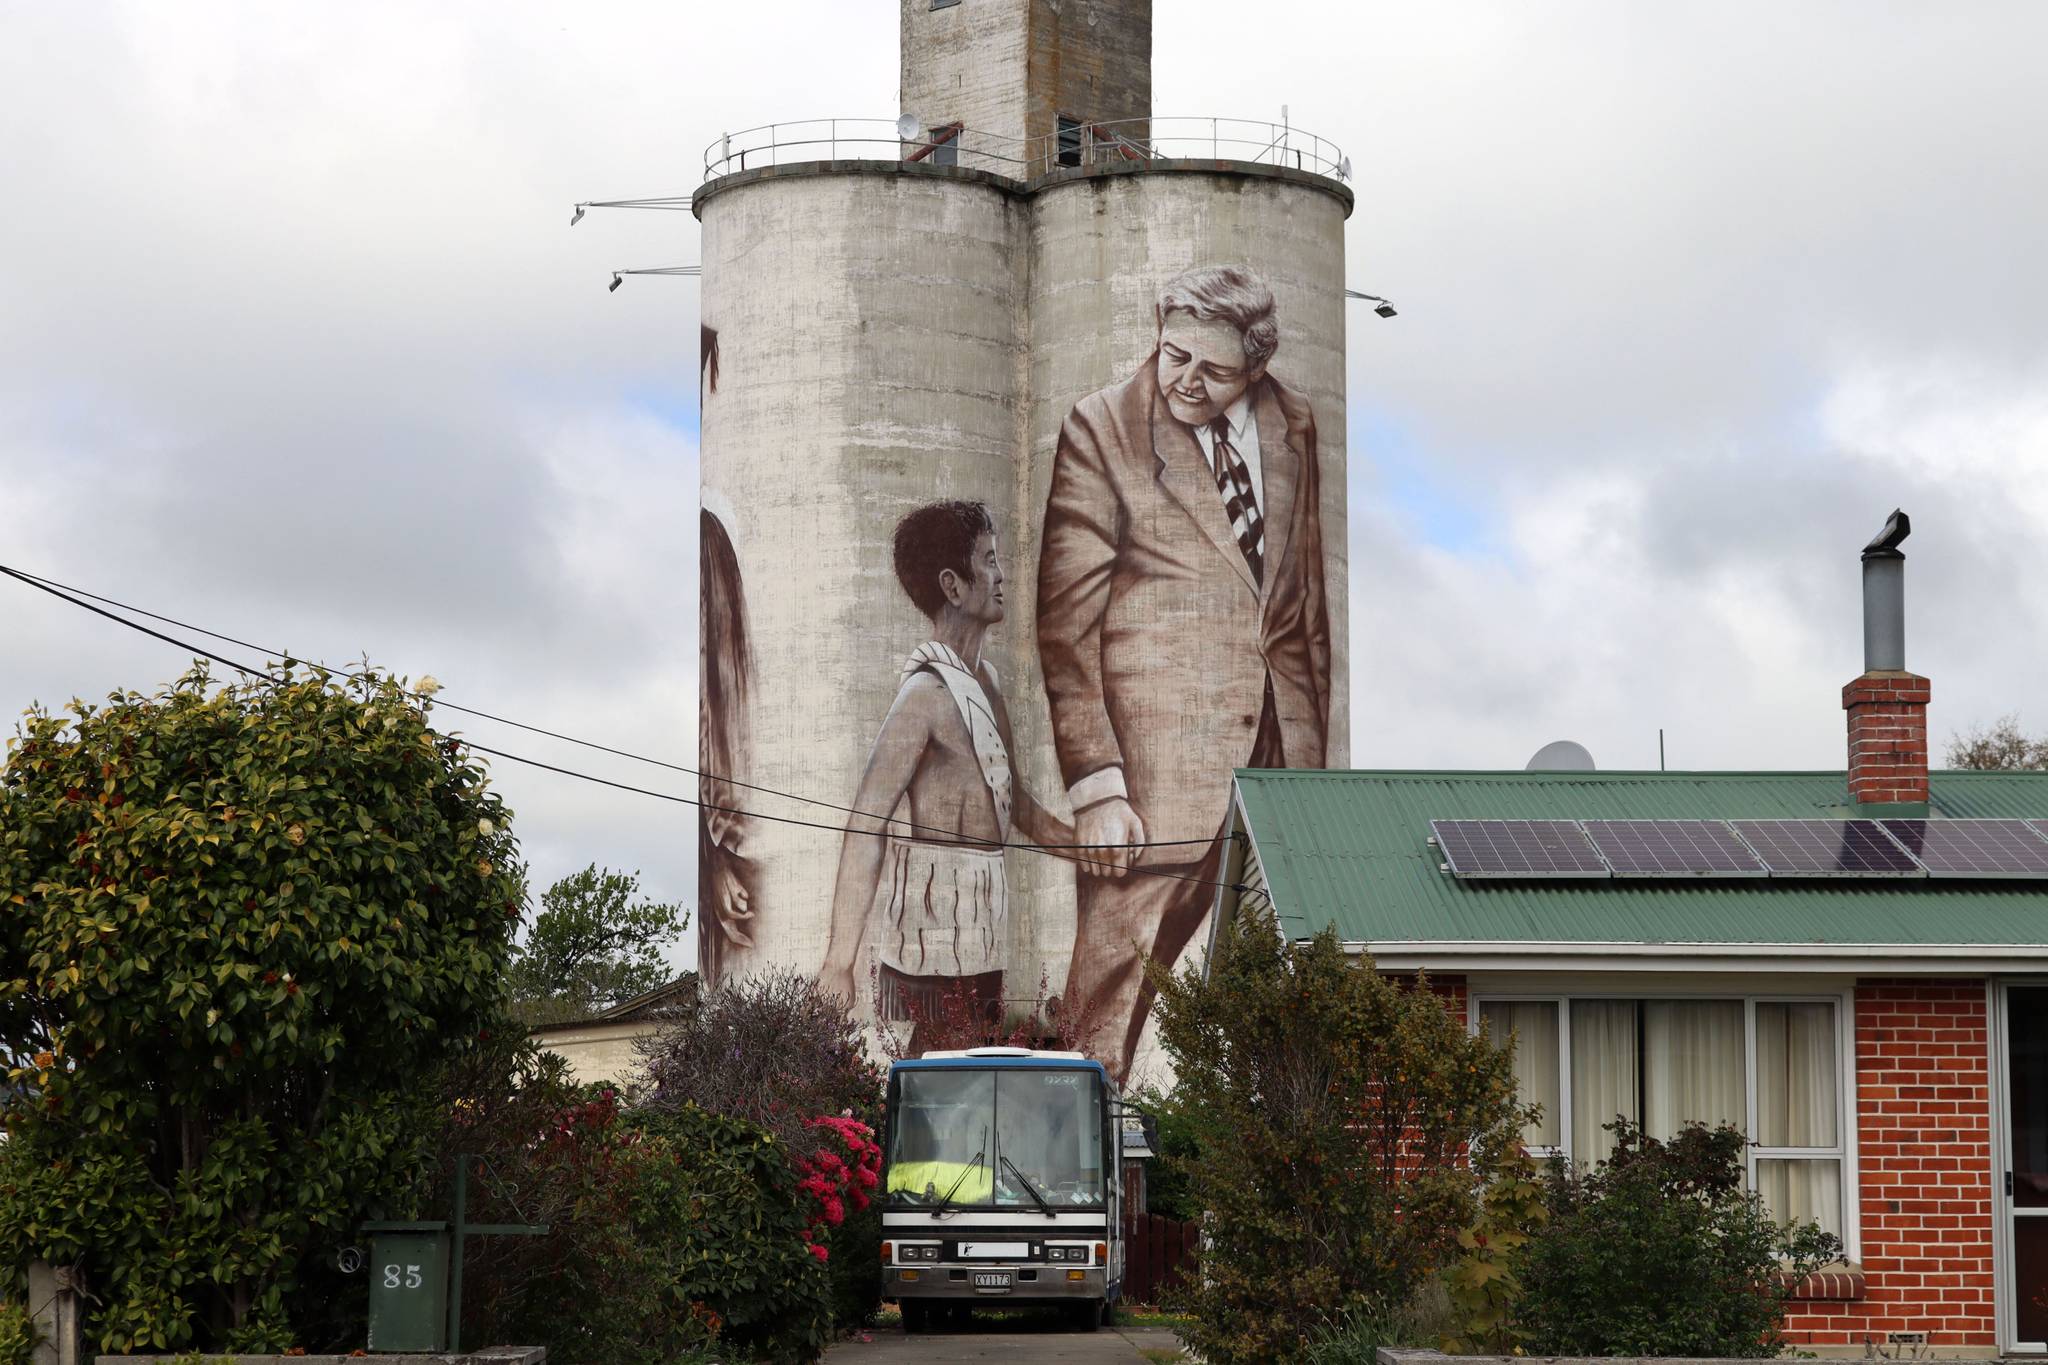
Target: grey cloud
294 335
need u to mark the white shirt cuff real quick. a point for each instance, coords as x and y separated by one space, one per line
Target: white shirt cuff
1098 786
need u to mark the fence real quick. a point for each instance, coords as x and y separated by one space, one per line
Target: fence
1158 1254
1158 138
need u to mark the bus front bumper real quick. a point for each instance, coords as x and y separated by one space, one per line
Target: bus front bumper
957 1282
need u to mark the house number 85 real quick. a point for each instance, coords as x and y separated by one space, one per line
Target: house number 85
411 1280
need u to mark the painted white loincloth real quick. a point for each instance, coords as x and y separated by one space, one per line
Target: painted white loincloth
941 909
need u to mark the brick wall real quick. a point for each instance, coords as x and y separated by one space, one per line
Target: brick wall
1887 737
1923 1126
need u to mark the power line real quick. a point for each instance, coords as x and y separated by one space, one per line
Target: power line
1054 850
51 584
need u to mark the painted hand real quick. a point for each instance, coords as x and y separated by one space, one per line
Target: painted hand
1109 822
838 981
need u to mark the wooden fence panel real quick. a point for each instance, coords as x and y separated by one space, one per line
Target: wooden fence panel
1158 1254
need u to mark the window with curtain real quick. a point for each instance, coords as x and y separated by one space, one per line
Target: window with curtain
1533 1025
1799 1143
1662 1064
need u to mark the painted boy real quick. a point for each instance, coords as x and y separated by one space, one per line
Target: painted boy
934 889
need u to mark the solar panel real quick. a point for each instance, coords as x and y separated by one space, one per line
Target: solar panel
1517 848
1973 848
1674 848
1825 848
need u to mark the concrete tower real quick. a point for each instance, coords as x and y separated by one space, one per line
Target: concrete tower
1122 336
1014 69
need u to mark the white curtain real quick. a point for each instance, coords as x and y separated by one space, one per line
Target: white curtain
1802 1191
1692 1065
1603 1074
1534 1026
1797 1074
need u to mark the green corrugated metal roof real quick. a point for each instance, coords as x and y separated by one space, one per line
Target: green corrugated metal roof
1351 849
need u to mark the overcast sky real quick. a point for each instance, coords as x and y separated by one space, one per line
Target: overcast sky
296 342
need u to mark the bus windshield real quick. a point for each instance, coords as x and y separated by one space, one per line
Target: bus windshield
1008 1138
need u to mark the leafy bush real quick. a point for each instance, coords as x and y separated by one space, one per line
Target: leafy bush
1661 1252
243 925
1169 1182
771 1049
670 1232
594 1289
740 1260
1335 1109
1483 1287
18 1335
777 1052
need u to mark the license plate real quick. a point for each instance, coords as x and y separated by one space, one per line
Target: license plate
994 1251
998 1280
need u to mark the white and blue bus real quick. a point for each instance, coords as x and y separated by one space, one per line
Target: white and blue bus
1002 1185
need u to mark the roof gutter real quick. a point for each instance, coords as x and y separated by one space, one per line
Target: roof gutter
1890 958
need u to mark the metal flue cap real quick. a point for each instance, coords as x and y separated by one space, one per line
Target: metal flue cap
1897 527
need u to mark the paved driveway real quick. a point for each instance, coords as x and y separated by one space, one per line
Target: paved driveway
1009 1340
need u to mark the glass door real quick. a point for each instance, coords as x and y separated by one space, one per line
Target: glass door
2025 1182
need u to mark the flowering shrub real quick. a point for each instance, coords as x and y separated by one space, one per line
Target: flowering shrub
833 1180
776 1052
669 1232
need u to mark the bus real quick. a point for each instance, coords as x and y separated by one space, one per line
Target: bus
1002 1186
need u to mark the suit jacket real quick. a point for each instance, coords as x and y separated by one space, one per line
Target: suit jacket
1156 642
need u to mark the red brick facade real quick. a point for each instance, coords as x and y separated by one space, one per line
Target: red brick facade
1887 737
1923 1132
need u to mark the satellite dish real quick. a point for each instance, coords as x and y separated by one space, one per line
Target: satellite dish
908 127
1561 756
1344 169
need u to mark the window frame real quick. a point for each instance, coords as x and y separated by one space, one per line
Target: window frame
1843 1152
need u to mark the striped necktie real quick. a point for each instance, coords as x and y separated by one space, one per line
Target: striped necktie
1240 500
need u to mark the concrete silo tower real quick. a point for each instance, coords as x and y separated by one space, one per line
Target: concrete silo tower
1121 335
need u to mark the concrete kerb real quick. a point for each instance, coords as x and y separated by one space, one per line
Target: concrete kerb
1403 1355
494 1355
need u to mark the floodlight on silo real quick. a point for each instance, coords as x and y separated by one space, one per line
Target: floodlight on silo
617 280
577 216
1385 309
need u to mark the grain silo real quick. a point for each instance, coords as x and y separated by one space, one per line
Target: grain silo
1123 336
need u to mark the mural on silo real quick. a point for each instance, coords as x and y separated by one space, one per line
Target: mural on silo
930 883
725 873
1165 518
1183 628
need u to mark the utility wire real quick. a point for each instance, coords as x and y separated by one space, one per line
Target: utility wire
1055 850
51 585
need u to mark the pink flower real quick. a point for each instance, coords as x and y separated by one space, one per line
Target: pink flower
820 1252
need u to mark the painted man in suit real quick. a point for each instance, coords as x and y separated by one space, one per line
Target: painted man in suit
1182 625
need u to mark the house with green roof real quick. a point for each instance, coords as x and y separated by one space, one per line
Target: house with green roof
1851 966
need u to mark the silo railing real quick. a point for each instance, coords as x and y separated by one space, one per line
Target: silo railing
1193 138
861 139
1199 138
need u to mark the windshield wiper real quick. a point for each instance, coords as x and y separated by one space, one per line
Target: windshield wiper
980 1157
1029 1188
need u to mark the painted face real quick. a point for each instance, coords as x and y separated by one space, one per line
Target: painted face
1202 368
981 597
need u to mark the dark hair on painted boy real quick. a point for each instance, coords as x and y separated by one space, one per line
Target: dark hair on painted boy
934 538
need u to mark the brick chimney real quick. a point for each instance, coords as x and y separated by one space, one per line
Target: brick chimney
1887 706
